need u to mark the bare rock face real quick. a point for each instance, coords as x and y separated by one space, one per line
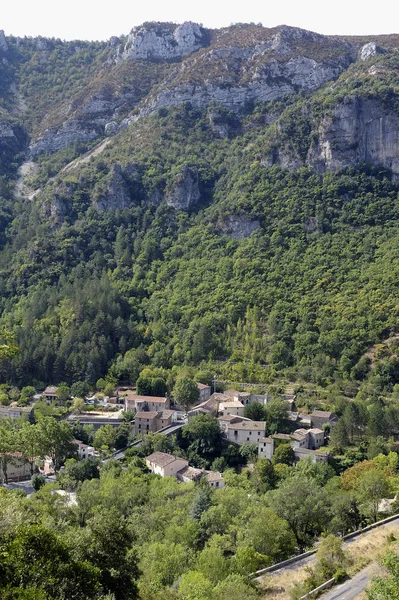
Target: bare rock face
359 131
238 226
3 42
184 192
55 139
369 50
157 41
117 195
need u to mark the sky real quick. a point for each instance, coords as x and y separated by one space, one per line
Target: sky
101 19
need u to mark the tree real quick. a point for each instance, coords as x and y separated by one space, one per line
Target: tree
268 533
303 504
194 585
32 443
8 445
283 454
276 412
57 440
79 389
52 569
201 437
186 392
63 393
339 435
386 587
105 437
77 471
78 405
37 482
27 392
263 476
200 503
255 412
370 489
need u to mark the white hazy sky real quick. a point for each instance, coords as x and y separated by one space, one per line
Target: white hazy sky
100 19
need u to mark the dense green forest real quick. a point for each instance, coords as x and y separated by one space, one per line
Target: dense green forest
270 270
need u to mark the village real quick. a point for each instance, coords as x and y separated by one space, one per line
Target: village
148 415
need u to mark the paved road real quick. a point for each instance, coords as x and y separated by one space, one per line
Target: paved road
352 588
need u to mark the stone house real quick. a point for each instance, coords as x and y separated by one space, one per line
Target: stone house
15 412
146 403
50 393
146 421
319 417
205 392
215 479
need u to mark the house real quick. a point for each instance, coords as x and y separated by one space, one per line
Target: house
266 448
316 438
146 421
246 432
209 407
165 464
84 451
235 407
18 467
50 393
215 479
15 412
142 403
205 392
319 417
247 398
300 438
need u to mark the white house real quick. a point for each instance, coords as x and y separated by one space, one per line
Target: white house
235 407
246 432
164 464
215 479
84 451
205 392
266 448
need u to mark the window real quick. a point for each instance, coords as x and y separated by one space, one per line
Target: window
235 433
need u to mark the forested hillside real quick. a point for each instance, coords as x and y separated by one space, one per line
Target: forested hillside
181 196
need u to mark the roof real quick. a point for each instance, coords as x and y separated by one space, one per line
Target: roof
298 435
214 476
147 398
203 386
231 404
233 418
316 430
51 390
146 414
322 414
281 436
166 414
162 459
249 425
190 473
76 442
266 440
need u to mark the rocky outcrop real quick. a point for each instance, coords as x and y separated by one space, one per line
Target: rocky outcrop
369 50
3 42
238 226
117 194
55 139
162 41
184 192
359 131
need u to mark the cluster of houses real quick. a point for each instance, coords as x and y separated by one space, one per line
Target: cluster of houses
229 408
170 465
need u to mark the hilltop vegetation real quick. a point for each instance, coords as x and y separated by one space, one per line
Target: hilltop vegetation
201 231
